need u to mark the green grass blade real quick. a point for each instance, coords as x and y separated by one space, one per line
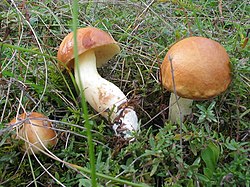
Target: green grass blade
19 48
83 101
114 179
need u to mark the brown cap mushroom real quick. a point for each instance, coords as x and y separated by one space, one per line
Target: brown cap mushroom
104 46
96 47
201 68
36 130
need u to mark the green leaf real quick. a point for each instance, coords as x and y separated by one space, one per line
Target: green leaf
7 74
197 161
4 138
210 156
84 183
187 137
177 137
190 183
244 113
193 148
202 118
151 141
207 127
206 156
155 166
202 177
57 175
211 106
216 151
208 172
231 145
176 185
202 108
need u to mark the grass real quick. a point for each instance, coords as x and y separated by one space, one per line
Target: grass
215 147
83 101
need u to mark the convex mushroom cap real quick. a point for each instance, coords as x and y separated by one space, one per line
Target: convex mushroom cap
96 47
35 130
201 68
89 38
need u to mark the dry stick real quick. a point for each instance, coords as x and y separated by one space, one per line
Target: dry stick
178 106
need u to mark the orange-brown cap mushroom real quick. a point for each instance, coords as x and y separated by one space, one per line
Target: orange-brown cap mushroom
201 68
89 38
35 130
96 47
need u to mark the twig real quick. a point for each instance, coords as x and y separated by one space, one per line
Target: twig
178 106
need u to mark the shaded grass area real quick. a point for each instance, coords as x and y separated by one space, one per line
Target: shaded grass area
215 138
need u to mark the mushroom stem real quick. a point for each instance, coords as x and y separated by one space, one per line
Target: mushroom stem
105 97
176 113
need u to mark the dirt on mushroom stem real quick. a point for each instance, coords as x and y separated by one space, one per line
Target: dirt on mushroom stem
105 97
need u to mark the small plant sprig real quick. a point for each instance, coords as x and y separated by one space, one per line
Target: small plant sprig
206 114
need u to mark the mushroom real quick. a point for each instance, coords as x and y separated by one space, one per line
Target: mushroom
95 48
201 70
35 130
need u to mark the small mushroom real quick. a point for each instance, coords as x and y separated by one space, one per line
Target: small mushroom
35 130
201 70
95 48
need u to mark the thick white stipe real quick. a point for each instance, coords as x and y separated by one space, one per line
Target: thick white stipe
176 116
105 97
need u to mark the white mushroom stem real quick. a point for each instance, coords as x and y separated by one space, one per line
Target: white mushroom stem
105 97
176 112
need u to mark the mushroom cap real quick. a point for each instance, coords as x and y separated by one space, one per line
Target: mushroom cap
201 68
35 125
104 46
